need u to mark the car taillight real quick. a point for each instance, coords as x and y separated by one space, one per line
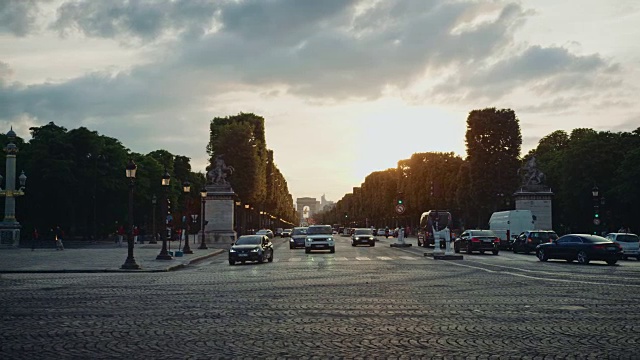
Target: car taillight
599 247
496 240
529 240
475 240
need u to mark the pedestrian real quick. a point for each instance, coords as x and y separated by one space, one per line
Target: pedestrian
136 232
59 234
120 235
34 239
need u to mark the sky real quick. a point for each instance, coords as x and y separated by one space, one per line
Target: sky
346 87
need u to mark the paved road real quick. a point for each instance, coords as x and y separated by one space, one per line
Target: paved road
363 302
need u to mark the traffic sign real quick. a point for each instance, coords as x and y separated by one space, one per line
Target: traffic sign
596 221
400 209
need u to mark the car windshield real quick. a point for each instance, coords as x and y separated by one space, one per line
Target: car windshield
482 233
319 230
627 238
249 240
262 232
364 232
299 231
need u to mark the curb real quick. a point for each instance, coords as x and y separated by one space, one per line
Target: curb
90 271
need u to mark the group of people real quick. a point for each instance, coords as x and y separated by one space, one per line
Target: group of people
57 234
121 234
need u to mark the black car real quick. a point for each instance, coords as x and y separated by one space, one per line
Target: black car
298 235
363 236
580 247
251 248
529 240
477 240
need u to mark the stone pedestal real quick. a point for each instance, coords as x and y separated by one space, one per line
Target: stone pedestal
9 235
219 208
538 199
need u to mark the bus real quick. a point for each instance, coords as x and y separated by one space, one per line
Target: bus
433 220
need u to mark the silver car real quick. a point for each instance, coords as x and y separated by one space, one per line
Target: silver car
319 237
630 244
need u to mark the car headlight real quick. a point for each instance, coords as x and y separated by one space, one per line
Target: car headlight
370 237
290 240
255 250
231 250
308 240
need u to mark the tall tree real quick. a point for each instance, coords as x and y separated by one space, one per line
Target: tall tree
493 141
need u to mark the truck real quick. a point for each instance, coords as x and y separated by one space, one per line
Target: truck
507 225
433 221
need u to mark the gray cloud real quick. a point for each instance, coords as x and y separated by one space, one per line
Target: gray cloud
316 49
17 17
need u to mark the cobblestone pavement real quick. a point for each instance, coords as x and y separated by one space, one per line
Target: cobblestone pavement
98 257
364 302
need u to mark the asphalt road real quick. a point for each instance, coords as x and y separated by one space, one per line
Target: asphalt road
364 302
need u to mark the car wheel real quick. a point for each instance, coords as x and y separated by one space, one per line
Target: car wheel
270 259
243 262
332 249
583 258
419 243
526 251
231 262
515 251
261 260
495 252
542 256
306 251
291 246
612 262
352 244
456 249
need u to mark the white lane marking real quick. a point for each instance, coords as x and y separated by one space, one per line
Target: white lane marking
341 259
408 258
543 278
384 258
362 258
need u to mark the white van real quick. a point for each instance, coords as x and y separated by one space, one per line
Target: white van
509 224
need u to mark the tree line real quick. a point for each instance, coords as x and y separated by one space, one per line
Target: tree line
76 179
486 180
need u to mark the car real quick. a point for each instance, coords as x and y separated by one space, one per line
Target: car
380 232
363 236
346 231
298 237
251 248
266 232
279 232
581 247
529 240
319 237
630 244
477 240
286 232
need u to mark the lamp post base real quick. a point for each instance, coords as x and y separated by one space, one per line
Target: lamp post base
186 249
130 264
202 246
164 256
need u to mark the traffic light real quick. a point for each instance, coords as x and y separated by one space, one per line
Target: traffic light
597 215
345 215
400 199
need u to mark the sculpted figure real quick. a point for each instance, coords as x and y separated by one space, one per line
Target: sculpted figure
218 175
530 173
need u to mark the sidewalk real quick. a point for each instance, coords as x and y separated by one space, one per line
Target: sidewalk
100 257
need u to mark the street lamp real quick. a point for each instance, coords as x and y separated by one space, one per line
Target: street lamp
203 196
130 263
244 218
595 192
154 200
164 254
186 189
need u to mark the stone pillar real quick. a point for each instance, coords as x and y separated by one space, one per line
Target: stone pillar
538 199
10 227
219 210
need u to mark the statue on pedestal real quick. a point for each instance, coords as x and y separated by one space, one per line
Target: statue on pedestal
530 173
218 175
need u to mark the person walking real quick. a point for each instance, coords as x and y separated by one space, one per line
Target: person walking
34 239
59 234
120 235
136 233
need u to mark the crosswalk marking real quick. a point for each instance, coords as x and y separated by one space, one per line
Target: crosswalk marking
329 258
360 258
384 258
341 259
408 258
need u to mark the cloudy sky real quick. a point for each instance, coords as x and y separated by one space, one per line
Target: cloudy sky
347 87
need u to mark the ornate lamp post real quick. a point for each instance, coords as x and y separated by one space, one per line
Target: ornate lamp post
203 196
10 227
186 189
244 218
595 193
164 254
130 263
